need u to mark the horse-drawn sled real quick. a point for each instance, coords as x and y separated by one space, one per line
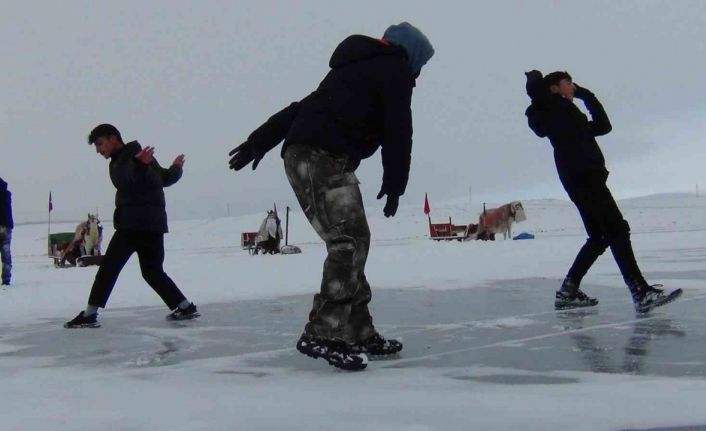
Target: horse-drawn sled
79 248
490 222
451 232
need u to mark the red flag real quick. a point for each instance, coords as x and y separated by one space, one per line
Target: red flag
427 208
51 206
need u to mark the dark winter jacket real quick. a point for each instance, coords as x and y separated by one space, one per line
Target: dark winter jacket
5 206
363 103
139 199
572 135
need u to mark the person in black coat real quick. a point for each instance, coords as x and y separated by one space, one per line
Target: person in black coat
6 226
582 171
140 221
361 105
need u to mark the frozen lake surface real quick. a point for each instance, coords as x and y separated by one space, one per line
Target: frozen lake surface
484 348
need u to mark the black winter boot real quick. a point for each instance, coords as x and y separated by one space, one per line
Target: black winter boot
83 321
646 297
570 296
188 313
337 353
377 345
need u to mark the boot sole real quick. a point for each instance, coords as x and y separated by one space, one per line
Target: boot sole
571 307
82 326
180 319
387 355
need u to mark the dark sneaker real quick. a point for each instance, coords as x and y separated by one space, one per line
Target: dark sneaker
649 297
567 300
377 345
336 353
83 321
188 313
5 283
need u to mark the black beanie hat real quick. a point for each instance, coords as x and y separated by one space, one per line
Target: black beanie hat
555 77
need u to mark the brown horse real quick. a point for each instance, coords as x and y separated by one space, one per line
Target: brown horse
500 220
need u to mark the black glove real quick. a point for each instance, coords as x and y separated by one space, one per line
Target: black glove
582 93
242 155
393 201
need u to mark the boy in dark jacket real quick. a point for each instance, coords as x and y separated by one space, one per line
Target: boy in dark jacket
583 173
6 226
140 221
363 103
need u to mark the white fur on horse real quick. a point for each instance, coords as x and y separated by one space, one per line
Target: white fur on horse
268 229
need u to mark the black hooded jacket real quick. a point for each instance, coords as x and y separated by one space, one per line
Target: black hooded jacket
5 206
572 135
363 103
139 199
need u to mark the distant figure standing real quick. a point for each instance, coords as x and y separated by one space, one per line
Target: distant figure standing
140 221
583 173
6 226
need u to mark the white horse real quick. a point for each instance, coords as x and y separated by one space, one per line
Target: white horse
269 235
91 238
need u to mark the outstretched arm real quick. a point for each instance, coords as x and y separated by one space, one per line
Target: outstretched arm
173 174
146 172
264 138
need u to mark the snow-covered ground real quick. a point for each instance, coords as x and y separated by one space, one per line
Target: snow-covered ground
483 347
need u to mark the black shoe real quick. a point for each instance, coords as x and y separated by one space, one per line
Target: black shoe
377 345
188 313
83 321
567 300
5 283
647 297
336 353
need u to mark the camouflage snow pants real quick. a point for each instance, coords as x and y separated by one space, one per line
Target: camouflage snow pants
327 190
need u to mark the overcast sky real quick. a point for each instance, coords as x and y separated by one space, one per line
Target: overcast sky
198 76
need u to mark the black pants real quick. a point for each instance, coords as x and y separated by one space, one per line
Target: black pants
605 226
6 256
149 247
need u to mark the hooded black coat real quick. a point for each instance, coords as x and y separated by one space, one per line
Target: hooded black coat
5 206
363 103
573 136
139 199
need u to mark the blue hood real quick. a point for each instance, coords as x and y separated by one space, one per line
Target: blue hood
414 42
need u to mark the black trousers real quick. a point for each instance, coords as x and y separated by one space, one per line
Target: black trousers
605 226
149 247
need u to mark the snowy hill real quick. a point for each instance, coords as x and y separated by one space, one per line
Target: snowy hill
206 254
